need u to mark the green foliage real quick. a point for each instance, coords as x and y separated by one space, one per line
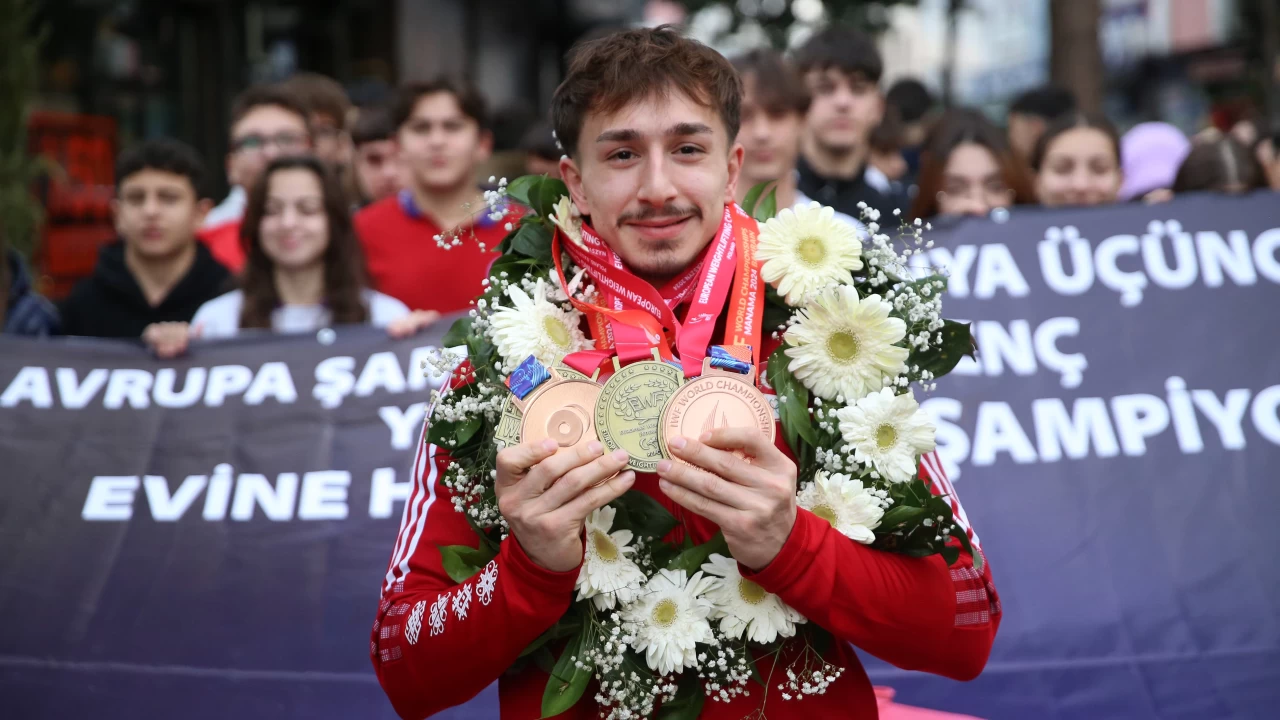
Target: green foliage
643 515
462 562
691 560
687 704
956 343
793 402
20 213
567 681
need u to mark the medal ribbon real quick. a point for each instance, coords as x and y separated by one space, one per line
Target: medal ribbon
637 312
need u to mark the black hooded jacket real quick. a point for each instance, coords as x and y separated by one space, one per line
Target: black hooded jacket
109 303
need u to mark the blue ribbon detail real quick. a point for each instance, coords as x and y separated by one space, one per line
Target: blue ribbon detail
528 376
720 358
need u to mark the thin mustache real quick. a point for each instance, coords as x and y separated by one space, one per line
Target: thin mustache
666 211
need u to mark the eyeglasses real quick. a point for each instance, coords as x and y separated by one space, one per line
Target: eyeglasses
255 143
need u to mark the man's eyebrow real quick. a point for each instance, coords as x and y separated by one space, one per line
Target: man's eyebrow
677 130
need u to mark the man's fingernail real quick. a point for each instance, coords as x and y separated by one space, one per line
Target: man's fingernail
595 448
627 477
620 455
664 466
677 442
549 445
706 436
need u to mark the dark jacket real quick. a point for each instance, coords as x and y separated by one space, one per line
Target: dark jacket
109 303
26 312
844 195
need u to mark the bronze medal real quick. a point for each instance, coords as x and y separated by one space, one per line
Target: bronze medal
561 410
716 399
629 408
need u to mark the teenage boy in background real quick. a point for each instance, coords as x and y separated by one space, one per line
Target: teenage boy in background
1032 112
376 160
841 68
158 272
443 134
267 121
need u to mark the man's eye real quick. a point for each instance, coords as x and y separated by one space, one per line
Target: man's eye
689 150
623 155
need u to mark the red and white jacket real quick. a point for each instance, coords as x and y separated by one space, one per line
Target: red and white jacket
437 643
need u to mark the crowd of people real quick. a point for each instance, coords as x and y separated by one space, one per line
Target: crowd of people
334 212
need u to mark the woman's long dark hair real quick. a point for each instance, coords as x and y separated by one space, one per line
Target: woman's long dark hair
345 276
957 127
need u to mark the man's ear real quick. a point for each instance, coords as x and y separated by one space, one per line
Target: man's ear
736 154
572 177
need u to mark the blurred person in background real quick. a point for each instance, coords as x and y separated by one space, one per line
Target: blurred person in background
266 121
1224 165
158 274
376 158
1152 153
541 151
443 134
1077 162
968 168
1267 152
886 151
23 311
915 104
841 68
1032 112
328 112
304 271
772 118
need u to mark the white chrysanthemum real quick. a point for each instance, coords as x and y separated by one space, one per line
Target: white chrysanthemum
743 606
608 576
534 326
565 216
806 250
669 619
843 346
845 503
889 432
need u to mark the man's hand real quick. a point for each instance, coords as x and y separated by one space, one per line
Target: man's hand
547 495
403 327
169 339
753 503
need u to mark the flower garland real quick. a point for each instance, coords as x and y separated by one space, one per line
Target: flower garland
665 626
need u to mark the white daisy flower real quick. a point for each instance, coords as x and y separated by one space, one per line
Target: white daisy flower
743 606
889 432
534 326
845 503
669 619
608 575
841 345
565 215
806 250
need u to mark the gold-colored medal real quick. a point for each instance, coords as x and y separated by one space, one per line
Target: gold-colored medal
629 409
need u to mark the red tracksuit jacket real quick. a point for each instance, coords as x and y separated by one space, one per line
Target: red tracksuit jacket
916 613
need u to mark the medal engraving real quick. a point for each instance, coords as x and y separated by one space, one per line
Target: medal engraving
630 407
561 411
507 433
716 400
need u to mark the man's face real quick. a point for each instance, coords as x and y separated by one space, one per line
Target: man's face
440 146
157 213
1024 132
844 110
332 143
654 178
378 169
770 138
264 133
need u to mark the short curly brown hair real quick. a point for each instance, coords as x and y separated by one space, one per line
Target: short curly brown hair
607 73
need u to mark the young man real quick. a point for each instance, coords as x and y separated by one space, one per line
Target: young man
841 68
1032 112
23 311
541 151
266 122
376 161
652 163
328 112
158 272
443 135
915 104
774 103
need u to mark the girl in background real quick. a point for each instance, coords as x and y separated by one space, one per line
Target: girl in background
1077 162
968 168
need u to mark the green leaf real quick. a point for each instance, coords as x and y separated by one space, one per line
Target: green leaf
519 188
753 197
567 681
643 515
793 402
768 207
687 704
467 430
544 195
956 343
459 570
458 333
691 559
564 627
533 240
751 663
477 557
900 514
968 546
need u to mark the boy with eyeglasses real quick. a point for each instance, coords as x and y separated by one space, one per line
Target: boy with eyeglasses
267 121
